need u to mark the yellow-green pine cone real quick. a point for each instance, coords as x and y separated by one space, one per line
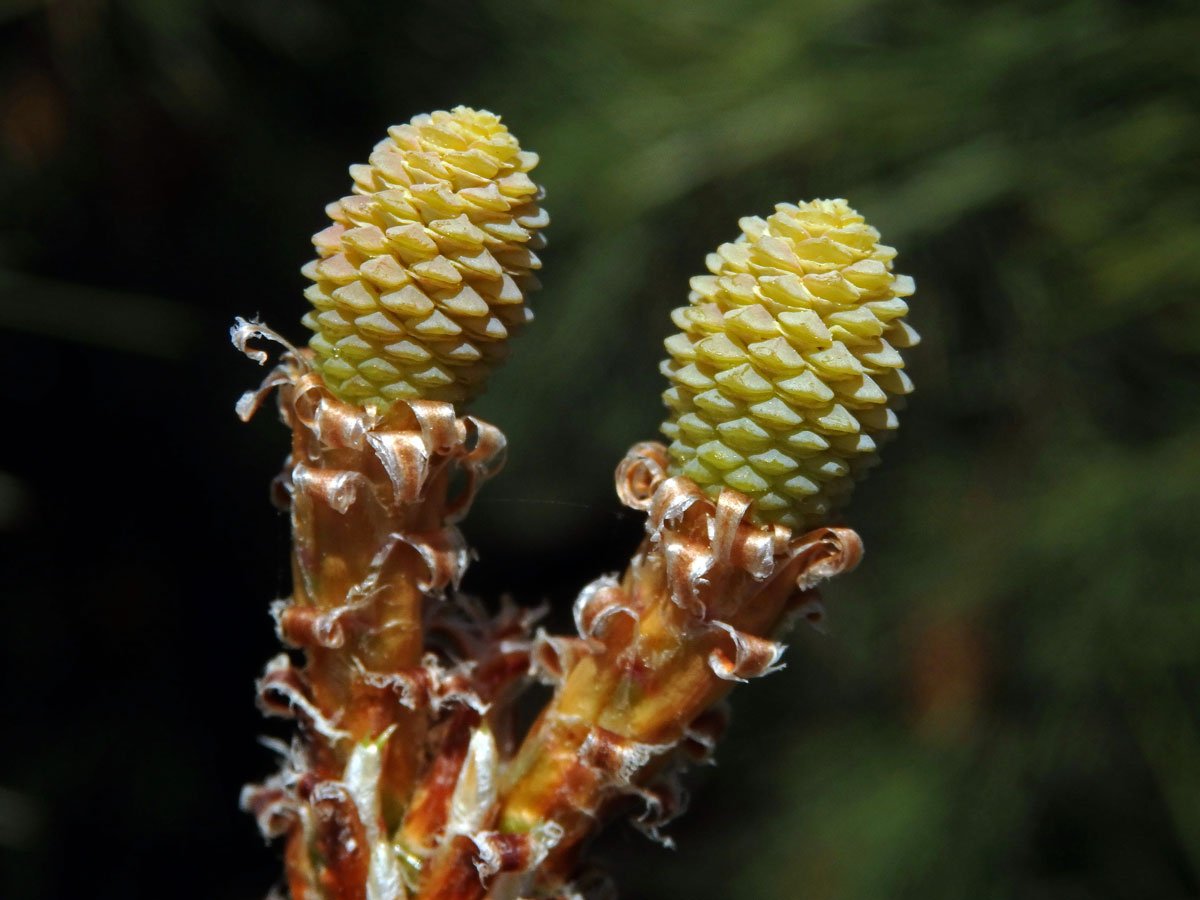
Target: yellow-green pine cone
421 279
786 376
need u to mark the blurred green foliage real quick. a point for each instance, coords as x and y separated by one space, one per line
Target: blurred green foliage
1007 705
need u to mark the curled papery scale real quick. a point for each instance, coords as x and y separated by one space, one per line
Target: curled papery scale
421 279
785 374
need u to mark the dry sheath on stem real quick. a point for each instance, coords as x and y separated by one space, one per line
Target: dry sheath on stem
658 648
406 778
783 377
418 284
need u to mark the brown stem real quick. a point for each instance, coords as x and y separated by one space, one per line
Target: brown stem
369 497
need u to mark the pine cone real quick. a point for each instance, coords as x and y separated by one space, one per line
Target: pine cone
422 277
785 377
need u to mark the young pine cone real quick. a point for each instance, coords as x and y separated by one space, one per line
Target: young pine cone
422 277
785 377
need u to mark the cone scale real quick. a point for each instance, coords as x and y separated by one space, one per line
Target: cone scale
785 375
421 279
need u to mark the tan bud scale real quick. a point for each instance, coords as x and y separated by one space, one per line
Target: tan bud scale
785 376
421 279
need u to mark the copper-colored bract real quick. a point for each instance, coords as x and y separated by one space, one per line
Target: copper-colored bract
406 778
638 690
657 651
374 549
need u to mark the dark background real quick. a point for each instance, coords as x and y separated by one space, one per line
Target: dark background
1006 703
